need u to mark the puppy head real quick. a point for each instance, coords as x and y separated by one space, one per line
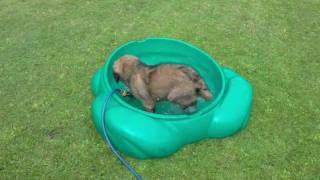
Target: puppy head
124 67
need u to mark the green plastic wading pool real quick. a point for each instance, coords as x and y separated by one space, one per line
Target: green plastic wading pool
141 134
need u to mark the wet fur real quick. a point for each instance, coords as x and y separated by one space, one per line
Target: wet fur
174 82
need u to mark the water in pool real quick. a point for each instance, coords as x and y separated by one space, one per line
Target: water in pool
166 107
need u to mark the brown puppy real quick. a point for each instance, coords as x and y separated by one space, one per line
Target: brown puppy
177 83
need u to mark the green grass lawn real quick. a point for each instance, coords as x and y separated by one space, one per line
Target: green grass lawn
49 51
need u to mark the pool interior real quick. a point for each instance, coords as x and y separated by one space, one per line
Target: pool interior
165 107
202 64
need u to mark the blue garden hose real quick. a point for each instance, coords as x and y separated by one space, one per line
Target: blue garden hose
107 138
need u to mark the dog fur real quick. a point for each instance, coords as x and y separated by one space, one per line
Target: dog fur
174 82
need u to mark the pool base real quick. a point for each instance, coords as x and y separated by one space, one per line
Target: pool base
142 136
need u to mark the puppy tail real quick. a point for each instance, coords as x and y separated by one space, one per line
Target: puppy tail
206 94
201 87
202 90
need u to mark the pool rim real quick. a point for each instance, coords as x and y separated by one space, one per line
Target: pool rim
199 113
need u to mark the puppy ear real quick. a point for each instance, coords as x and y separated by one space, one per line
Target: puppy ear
147 73
139 87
